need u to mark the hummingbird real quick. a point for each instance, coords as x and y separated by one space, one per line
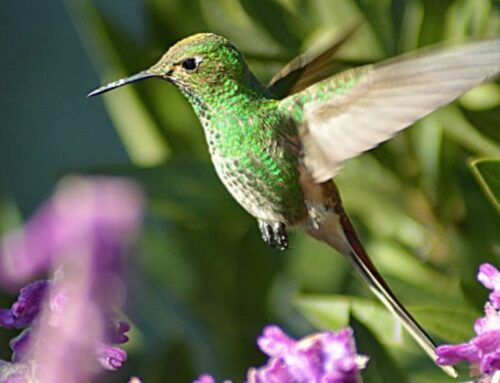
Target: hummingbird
277 147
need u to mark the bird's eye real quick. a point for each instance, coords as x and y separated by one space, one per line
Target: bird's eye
190 64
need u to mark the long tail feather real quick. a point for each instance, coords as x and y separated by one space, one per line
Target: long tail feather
328 222
364 266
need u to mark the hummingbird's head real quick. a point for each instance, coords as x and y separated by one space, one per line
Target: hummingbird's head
201 63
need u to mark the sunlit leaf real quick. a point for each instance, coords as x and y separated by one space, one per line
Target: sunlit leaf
378 15
462 132
413 274
482 97
333 313
229 18
464 17
274 18
139 132
452 324
411 24
487 173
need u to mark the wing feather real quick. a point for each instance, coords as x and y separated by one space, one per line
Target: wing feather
308 68
385 99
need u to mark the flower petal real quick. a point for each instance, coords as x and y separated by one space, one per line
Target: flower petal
20 346
116 331
495 299
7 319
491 363
322 357
452 354
13 372
111 357
274 342
489 276
276 371
205 378
488 342
28 304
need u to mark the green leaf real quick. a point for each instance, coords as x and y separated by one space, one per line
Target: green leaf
487 173
466 17
10 217
229 18
274 18
452 324
411 274
378 15
457 128
139 132
482 97
164 321
411 23
175 19
432 29
381 367
333 313
486 121
182 189
317 268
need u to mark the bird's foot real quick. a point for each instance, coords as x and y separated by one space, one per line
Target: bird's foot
274 234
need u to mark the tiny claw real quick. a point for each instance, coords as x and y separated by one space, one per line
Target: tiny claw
280 236
274 234
266 232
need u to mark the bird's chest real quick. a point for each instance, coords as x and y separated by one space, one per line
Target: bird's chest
256 165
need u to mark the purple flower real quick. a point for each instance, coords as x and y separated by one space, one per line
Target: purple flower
27 306
29 303
482 351
323 357
20 345
81 234
13 372
116 331
110 357
326 357
205 379
489 276
103 210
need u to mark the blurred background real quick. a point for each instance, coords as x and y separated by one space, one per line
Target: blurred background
202 282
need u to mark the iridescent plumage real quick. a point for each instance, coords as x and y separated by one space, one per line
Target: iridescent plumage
276 152
255 161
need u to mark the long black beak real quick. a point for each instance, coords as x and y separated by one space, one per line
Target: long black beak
124 81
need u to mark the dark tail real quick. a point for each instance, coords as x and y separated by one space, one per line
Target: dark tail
364 266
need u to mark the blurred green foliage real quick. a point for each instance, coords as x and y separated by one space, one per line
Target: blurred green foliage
203 284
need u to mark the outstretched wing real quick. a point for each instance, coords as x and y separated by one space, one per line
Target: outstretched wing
307 68
368 105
